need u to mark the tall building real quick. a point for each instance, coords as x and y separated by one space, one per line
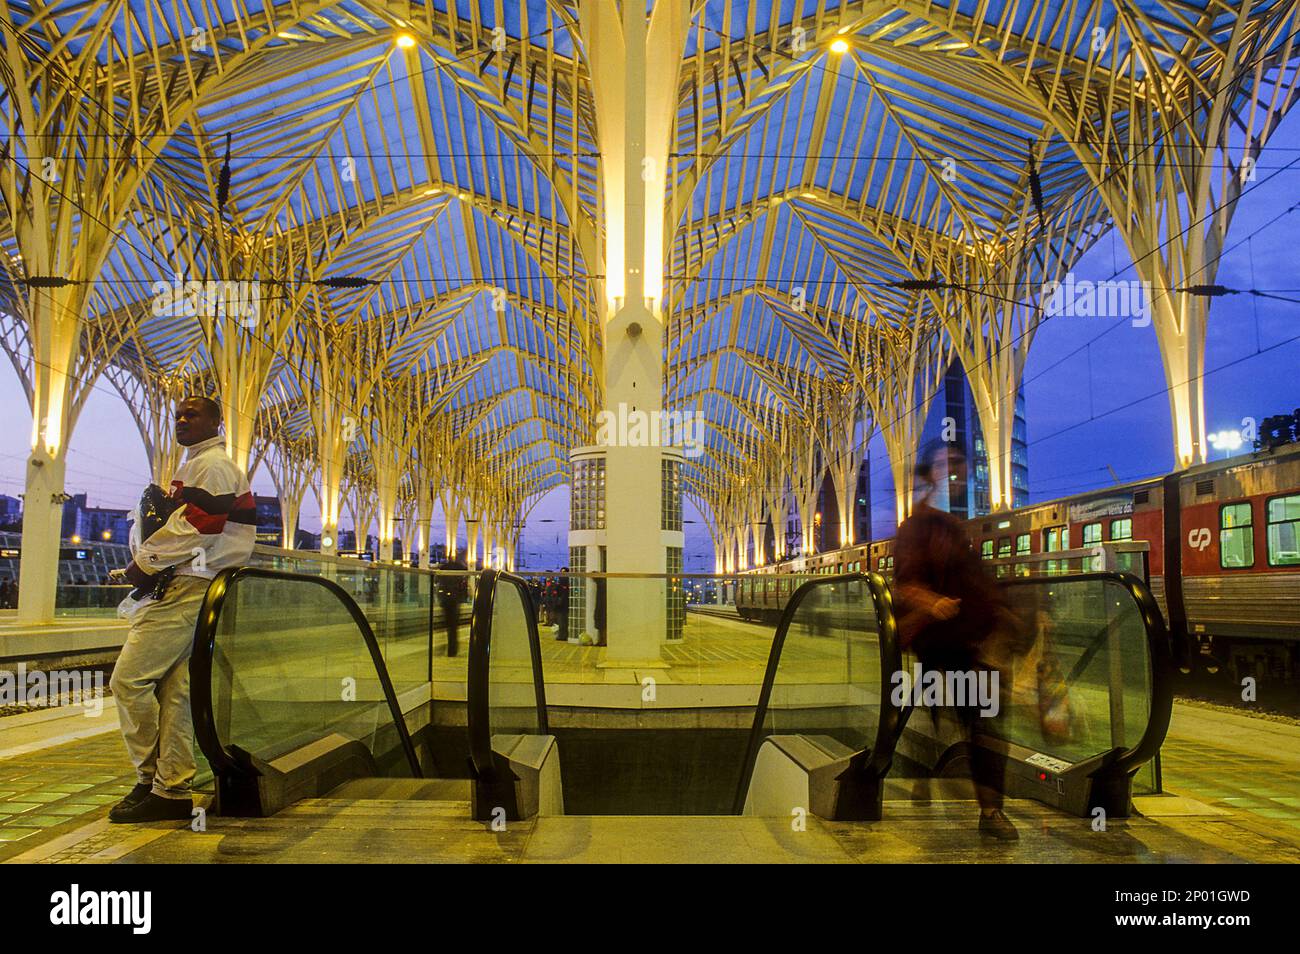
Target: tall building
953 414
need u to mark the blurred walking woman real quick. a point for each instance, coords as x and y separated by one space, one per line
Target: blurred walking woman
949 611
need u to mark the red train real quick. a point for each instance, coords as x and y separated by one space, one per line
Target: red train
1223 560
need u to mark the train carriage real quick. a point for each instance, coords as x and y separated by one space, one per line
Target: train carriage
1232 586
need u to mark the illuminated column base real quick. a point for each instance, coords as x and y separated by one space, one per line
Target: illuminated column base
42 525
626 484
329 538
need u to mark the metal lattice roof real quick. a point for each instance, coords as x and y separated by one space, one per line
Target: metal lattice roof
424 219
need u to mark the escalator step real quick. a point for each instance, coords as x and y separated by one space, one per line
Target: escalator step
405 789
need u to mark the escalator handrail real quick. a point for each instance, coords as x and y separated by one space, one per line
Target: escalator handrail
888 725
205 642
1158 649
479 676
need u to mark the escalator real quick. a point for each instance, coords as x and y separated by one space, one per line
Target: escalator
836 725
1089 703
824 727
513 757
292 698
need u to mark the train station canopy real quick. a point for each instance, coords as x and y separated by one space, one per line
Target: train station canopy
858 192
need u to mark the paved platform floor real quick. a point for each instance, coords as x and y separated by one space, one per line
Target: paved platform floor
333 831
66 783
1249 766
713 651
1235 781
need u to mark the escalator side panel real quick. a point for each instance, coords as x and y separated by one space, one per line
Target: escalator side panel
1093 667
290 692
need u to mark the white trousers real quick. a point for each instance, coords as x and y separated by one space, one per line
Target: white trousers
151 684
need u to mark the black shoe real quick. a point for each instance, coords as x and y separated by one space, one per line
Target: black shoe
132 797
997 825
153 808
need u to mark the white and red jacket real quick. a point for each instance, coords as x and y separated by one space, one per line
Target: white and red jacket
215 526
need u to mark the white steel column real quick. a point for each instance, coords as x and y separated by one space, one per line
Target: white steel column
634 106
54 345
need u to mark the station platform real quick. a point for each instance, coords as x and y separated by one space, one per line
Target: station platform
82 637
413 832
1234 800
697 757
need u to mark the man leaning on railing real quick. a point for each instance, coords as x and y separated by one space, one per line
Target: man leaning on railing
211 528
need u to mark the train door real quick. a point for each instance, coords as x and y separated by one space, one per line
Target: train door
1022 549
1056 539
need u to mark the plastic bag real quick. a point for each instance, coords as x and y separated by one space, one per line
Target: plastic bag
149 516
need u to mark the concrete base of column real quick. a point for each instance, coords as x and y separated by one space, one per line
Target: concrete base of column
38 570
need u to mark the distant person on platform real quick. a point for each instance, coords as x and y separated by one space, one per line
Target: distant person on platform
212 528
452 592
562 606
599 611
949 615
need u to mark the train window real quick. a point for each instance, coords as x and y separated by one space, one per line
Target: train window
1056 539
889 562
1284 531
986 550
1004 547
1236 536
1121 529
1091 533
880 564
1022 544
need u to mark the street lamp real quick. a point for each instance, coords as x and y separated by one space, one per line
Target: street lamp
1226 441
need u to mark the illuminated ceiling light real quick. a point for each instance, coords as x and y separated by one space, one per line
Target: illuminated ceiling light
839 45
434 191
75 538
405 41
286 35
807 195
